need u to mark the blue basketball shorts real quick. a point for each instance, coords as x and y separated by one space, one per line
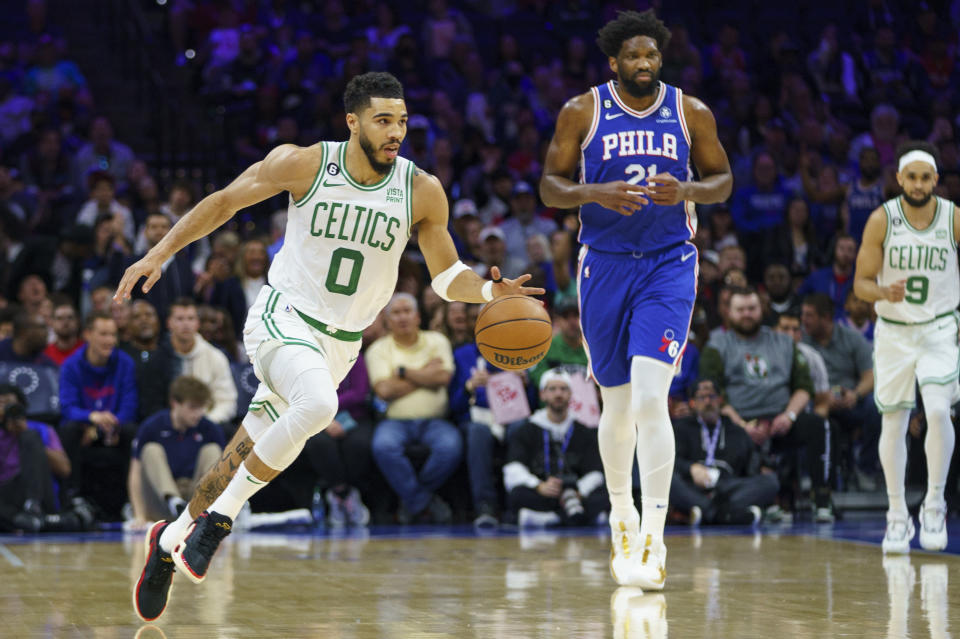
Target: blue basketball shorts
635 304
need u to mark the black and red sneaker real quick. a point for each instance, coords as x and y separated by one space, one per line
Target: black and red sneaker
193 554
152 591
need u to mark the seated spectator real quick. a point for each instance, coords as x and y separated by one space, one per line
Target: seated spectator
66 332
858 316
716 477
217 328
849 361
153 360
779 289
409 371
98 403
453 322
217 286
172 451
789 324
485 438
102 188
177 278
566 347
553 473
836 280
523 221
252 269
28 342
794 242
198 358
33 292
493 252
759 207
103 153
766 383
30 457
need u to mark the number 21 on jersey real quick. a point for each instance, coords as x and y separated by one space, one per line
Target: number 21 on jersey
640 173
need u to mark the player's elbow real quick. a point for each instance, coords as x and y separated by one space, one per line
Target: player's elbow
548 192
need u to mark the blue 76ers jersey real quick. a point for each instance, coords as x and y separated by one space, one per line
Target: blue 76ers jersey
629 145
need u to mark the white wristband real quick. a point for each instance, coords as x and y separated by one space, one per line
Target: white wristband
487 291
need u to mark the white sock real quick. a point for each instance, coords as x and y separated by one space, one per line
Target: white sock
653 519
893 458
242 487
617 439
173 534
939 442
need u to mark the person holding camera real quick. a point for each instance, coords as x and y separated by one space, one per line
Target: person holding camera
31 459
553 473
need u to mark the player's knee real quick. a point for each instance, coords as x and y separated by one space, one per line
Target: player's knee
937 415
314 406
646 402
313 413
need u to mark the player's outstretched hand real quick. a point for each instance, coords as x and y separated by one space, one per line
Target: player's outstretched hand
150 267
620 196
512 287
665 190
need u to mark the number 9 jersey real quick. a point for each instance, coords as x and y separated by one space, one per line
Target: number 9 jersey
343 242
628 145
926 259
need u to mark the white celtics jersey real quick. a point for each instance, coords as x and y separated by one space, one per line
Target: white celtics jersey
343 243
926 259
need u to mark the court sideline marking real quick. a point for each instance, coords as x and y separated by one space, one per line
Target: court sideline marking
9 556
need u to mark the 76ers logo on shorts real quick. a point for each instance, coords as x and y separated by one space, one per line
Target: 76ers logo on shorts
669 344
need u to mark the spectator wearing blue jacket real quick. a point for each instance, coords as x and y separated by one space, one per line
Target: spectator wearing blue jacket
98 404
471 412
836 280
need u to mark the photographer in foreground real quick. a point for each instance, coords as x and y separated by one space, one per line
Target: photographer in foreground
553 473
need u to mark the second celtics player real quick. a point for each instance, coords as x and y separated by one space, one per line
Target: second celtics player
907 265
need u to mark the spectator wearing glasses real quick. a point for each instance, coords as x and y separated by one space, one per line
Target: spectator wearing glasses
717 478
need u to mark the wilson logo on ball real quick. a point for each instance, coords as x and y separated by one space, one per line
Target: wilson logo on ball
516 362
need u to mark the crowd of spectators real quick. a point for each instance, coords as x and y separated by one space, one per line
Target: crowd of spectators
810 106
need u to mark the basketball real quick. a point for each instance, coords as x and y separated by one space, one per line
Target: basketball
513 332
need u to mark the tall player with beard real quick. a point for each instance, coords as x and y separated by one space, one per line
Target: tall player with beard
351 208
907 265
635 139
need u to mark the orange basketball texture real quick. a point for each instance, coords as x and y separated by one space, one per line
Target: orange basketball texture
513 332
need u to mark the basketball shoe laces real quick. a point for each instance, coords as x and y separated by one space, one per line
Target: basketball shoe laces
210 537
164 569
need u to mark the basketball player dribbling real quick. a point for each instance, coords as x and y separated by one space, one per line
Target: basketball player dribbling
635 138
352 205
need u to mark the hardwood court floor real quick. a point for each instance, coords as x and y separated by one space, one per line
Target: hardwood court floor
401 585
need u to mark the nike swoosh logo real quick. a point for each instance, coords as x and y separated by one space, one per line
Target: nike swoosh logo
610 116
254 481
684 258
337 184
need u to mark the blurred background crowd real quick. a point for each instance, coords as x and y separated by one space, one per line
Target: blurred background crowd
116 117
